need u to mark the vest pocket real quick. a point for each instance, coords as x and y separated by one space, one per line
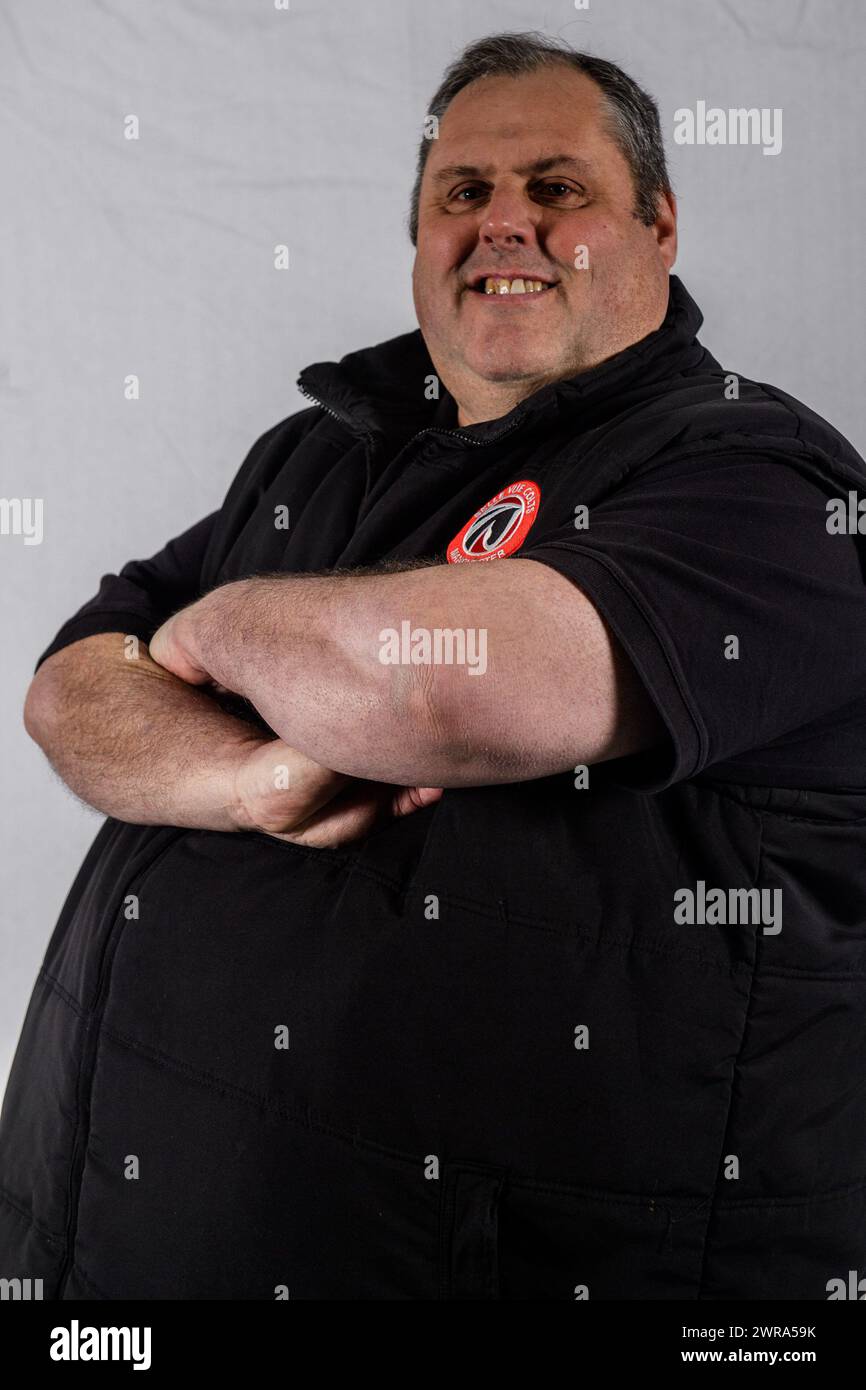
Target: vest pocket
469 1232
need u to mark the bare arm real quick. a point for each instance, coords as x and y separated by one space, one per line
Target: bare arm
553 689
139 744
134 741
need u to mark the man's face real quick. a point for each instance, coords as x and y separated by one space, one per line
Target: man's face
523 175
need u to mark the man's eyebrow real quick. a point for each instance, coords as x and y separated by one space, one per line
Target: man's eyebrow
537 166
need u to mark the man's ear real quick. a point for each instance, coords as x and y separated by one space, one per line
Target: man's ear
665 227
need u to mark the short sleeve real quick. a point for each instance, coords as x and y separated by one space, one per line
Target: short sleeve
742 614
144 593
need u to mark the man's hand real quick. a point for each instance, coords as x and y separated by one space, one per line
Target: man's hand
170 647
277 789
135 742
290 797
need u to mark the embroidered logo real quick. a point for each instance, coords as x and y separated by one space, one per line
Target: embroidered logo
499 527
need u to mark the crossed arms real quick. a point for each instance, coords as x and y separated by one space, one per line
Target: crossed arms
145 741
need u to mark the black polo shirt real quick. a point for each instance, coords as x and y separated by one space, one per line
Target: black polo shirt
561 990
706 542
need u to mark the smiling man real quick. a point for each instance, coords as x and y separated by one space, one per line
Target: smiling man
504 301
428 978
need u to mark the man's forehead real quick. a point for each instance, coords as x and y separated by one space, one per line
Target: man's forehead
553 99
478 138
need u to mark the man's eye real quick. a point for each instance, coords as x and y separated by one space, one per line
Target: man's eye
472 188
553 188
565 188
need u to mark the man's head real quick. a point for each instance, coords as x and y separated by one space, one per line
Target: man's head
549 165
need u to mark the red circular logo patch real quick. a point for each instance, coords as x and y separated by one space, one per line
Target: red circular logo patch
499 527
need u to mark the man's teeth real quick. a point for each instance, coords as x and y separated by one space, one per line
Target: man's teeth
495 284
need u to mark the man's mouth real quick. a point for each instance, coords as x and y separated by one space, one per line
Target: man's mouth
503 284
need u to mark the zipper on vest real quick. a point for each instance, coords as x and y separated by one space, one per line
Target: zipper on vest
359 430
356 429
338 415
467 438
428 429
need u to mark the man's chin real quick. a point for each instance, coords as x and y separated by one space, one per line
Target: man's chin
500 370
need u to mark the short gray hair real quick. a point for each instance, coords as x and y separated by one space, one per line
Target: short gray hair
633 114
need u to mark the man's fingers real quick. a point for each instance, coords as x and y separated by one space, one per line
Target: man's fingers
281 791
349 816
408 799
166 647
355 812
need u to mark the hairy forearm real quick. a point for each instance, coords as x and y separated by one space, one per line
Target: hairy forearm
132 740
304 652
307 652
551 691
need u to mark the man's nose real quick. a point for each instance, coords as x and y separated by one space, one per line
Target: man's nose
509 221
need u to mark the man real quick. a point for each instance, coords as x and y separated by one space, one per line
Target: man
588 1022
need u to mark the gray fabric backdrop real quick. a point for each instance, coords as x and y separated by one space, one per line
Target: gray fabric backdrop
260 126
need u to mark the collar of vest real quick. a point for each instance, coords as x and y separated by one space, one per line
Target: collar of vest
388 385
